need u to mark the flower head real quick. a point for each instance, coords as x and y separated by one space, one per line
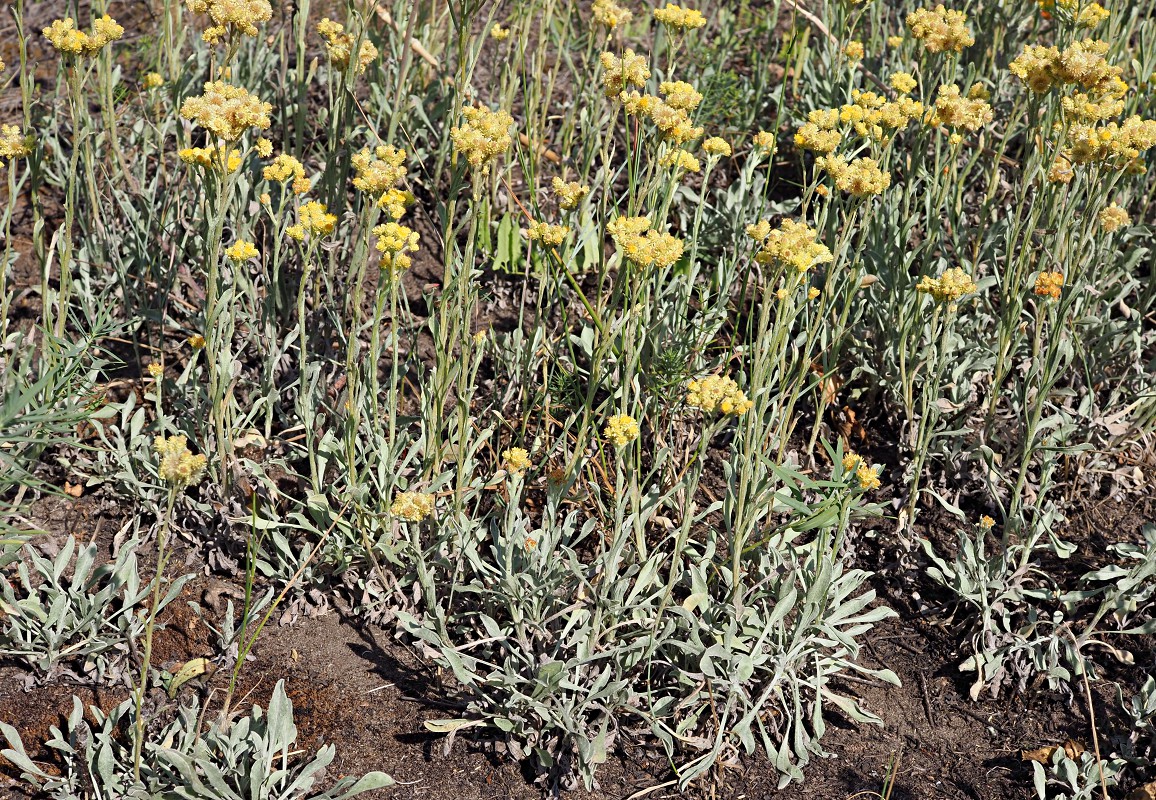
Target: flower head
241 251
227 111
793 244
902 82
64 36
498 33
312 220
232 18
153 80
339 46
953 284
379 170
569 194
483 136
178 466
621 430
678 18
546 234
620 74
1049 284
412 506
717 392
610 14
940 29
1113 218
395 241
716 147
14 144
516 460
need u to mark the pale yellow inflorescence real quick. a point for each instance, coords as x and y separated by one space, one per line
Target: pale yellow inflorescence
395 242
242 251
14 144
680 95
794 245
232 17
610 14
680 159
214 157
227 112
547 234
516 460
569 194
339 46
284 169
643 246
955 110
377 173
621 430
483 136
717 392
313 220
716 147
412 506
1113 218
622 73
940 29
953 284
63 35
868 477
679 18
178 466
860 178
153 80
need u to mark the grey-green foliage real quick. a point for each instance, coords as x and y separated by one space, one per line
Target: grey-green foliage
563 632
46 390
1023 624
252 760
70 615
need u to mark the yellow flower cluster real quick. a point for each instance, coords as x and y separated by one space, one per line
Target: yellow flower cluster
860 178
1113 218
1049 284
765 140
679 18
14 144
953 109
226 111
1115 145
286 168
621 430
379 171
674 122
868 477
643 246
232 17
498 33
569 194
241 251
793 244
178 466
1092 15
211 158
339 46
610 14
1081 63
953 284
516 460
619 74
717 392
153 80
64 36
903 82
870 115
854 50
680 159
547 234
939 29
679 94
412 506
483 136
716 147
312 220
395 242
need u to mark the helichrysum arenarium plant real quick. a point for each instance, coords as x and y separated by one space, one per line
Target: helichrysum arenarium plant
606 489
